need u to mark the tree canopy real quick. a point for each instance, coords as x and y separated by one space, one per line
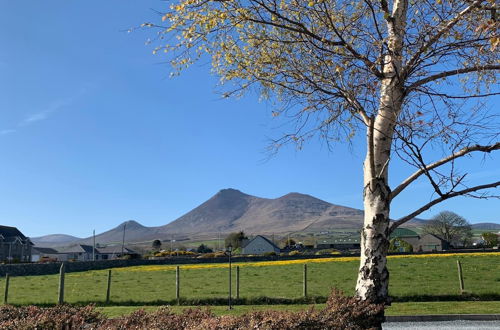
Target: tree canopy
450 227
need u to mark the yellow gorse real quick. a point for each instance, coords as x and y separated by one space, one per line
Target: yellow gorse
153 268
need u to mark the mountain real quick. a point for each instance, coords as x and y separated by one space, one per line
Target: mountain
55 239
231 210
486 226
134 232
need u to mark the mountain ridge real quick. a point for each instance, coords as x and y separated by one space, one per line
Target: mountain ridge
231 210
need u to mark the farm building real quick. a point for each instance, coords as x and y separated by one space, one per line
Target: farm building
431 242
260 245
425 243
350 242
14 246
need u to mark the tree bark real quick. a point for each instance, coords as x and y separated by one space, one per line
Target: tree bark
373 276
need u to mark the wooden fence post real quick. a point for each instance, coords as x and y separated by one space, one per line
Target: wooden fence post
177 285
6 295
61 285
237 282
305 281
460 277
108 290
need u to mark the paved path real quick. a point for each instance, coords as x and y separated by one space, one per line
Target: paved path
443 325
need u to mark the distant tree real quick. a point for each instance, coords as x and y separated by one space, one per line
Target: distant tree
204 249
235 239
490 239
450 227
287 242
156 244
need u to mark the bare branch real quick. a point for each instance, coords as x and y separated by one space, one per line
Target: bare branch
452 73
447 27
439 200
421 171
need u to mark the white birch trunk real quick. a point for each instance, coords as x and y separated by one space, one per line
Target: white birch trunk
373 277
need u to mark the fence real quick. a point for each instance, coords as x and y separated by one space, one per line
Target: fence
257 282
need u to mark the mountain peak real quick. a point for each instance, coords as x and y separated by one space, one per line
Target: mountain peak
230 192
130 224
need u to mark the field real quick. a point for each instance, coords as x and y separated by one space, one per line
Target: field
406 308
412 278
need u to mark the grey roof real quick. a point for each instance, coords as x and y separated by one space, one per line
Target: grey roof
265 239
115 249
79 248
44 250
7 231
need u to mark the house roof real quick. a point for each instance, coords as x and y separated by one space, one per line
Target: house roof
36 249
78 248
432 235
7 231
115 249
265 239
403 232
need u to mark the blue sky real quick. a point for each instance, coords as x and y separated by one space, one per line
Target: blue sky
94 133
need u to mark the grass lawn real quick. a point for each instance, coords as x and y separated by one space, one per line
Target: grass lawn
411 308
411 278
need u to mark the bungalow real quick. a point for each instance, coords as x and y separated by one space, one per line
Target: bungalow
77 252
260 245
14 246
40 253
114 252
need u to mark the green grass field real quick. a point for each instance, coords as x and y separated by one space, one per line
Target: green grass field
408 308
411 279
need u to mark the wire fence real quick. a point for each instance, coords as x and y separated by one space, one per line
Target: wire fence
410 279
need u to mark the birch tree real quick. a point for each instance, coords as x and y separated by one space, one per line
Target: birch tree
410 75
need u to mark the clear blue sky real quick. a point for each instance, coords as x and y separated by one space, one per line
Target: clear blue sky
93 132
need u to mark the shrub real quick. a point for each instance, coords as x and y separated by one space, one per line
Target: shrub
219 254
294 253
268 254
59 317
207 255
326 252
341 312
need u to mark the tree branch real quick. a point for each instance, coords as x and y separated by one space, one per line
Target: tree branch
460 153
439 200
451 73
447 27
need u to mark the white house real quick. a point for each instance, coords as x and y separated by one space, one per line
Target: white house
260 245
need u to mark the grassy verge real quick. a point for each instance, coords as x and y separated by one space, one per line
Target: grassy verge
420 308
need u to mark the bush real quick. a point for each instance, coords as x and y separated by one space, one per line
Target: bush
294 253
269 254
326 252
341 312
59 317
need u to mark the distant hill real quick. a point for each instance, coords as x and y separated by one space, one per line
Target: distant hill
486 226
134 232
55 239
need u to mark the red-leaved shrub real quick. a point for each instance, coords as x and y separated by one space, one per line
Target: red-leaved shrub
341 312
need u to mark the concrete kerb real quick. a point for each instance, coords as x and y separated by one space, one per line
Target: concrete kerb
443 317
